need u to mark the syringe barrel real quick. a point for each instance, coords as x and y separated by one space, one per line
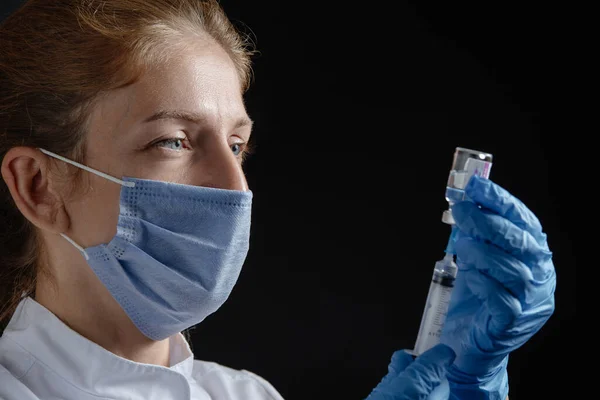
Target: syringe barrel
436 305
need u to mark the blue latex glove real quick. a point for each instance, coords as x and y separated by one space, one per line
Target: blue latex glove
504 291
420 378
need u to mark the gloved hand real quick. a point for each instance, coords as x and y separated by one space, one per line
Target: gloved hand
423 378
504 290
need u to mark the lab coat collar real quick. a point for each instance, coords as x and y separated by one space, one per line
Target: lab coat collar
89 366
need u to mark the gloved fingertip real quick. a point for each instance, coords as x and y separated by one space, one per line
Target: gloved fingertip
462 211
441 354
400 360
461 242
400 354
459 235
464 247
476 183
446 353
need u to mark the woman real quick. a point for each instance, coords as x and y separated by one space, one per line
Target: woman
125 215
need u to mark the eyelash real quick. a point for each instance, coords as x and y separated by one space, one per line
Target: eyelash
246 148
158 143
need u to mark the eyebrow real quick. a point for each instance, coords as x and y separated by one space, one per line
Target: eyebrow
191 117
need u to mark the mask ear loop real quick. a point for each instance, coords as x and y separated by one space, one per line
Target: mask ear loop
78 247
93 171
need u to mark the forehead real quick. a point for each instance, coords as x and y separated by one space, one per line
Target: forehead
198 76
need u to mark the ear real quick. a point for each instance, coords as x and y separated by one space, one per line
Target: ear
26 173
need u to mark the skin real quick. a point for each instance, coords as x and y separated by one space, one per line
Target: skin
202 79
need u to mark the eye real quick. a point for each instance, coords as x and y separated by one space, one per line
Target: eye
237 148
242 150
172 144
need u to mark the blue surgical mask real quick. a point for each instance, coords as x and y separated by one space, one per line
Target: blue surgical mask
177 254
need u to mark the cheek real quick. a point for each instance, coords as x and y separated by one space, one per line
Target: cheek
94 214
154 166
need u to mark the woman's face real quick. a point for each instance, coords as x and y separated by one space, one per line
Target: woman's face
183 122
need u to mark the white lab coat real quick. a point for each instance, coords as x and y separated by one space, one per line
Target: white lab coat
42 358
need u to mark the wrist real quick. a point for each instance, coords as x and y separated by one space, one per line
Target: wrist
491 386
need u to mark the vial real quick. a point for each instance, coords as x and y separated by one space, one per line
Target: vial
465 164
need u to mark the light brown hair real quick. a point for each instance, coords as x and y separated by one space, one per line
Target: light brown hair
57 57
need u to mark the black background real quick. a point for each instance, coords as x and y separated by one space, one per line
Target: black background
358 108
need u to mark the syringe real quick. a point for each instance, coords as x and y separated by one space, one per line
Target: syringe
466 164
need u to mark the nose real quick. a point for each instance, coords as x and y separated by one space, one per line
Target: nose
225 170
